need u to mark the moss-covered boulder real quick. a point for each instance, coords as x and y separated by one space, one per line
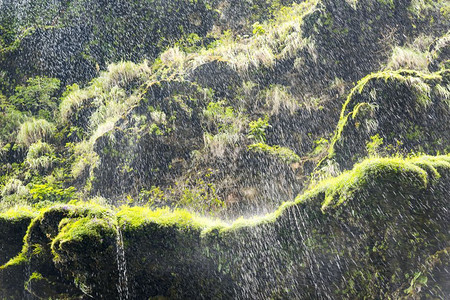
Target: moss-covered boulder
393 112
13 224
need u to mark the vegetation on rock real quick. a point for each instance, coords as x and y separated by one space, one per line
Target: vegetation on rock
215 149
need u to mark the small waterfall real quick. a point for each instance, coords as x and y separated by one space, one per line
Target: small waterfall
122 285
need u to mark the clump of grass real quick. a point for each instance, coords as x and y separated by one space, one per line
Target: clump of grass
443 92
407 58
174 57
279 39
123 74
35 130
14 187
279 99
421 89
40 156
85 158
73 101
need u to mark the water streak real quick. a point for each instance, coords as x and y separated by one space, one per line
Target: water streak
122 285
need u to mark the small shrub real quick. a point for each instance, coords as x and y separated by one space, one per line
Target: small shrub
258 29
278 98
123 74
285 154
200 195
73 100
14 187
10 120
258 128
373 147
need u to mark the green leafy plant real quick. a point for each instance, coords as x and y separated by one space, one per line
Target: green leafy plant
42 192
258 29
37 96
258 128
373 147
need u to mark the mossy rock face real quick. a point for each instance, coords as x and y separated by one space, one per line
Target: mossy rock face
13 225
365 245
377 231
53 262
165 126
156 263
405 111
219 76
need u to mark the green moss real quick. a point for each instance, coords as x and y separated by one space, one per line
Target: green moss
79 230
285 154
18 213
135 217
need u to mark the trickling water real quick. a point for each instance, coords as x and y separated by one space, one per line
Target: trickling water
122 284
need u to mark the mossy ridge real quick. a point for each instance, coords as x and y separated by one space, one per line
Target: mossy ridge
354 105
350 108
335 191
131 218
423 169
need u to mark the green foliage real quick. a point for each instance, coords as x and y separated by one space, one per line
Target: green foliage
200 195
258 29
46 192
321 145
373 147
258 128
222 117
38 96
10 120
419 279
